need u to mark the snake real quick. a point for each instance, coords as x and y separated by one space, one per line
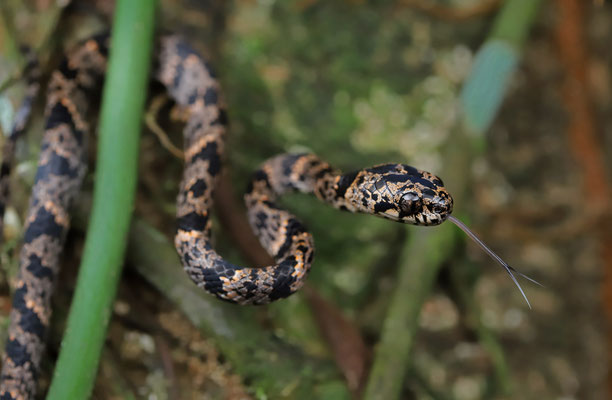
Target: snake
397 192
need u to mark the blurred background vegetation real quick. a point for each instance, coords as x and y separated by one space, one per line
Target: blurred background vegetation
364 82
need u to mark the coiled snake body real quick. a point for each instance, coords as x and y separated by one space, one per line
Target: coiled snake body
393 191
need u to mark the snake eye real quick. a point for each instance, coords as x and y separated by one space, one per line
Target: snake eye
438 208
410 203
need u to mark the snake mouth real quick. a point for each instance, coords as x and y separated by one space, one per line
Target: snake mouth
429 219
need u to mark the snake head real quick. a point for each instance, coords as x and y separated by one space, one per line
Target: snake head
405 194
400 193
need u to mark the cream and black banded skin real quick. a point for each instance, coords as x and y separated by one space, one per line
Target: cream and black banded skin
394 191
61 168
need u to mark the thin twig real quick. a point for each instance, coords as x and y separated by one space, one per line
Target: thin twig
150 120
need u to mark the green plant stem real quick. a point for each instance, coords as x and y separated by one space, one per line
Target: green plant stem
423 255
494 65
514 20
120 122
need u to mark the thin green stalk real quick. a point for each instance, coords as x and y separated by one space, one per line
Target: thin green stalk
513 23
423 254
494 65
120 122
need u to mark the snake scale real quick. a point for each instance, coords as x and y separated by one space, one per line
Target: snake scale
394 191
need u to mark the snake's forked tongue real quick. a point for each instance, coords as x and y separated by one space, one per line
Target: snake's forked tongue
511 271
